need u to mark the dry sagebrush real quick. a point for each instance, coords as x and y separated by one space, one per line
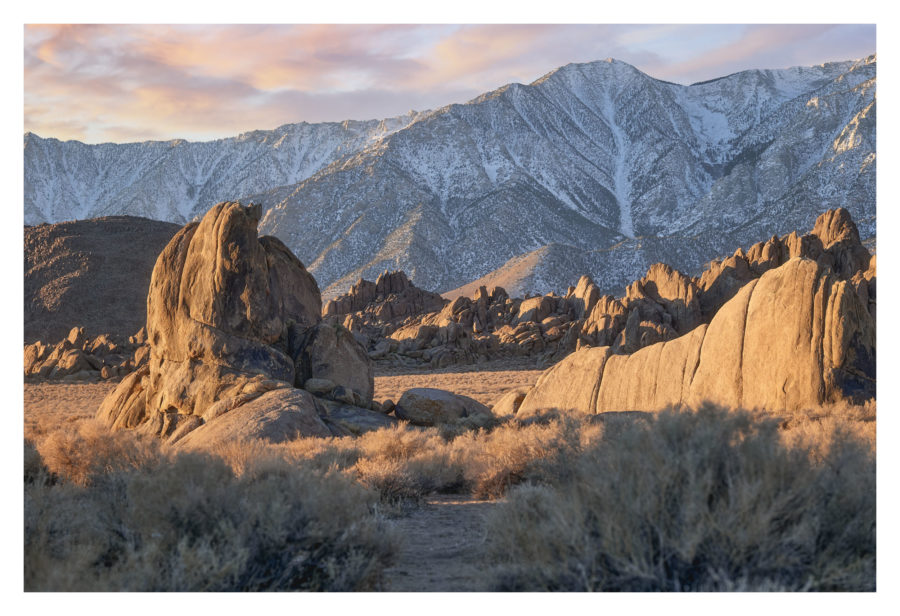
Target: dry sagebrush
407 463
114 512
697 500
705 500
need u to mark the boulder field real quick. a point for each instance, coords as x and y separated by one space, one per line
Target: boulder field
75 280
798 336
78 357
235 334
235 344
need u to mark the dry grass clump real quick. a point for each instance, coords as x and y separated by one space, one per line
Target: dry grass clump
139 518
86 449
815 428
696 500
406 462
701 500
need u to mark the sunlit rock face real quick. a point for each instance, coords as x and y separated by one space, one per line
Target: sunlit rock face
593 169
796 337
232 317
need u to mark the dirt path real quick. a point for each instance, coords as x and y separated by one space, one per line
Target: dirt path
443 543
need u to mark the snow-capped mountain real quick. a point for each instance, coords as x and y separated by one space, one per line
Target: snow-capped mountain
594 168
177 180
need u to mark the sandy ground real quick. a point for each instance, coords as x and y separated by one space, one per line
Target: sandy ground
443 544
485 382
50 404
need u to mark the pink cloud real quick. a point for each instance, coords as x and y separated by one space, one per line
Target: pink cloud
90 81
757 40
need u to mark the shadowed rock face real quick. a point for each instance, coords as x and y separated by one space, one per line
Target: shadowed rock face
392 296
231 317
797 336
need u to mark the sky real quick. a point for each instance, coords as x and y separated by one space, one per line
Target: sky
124 83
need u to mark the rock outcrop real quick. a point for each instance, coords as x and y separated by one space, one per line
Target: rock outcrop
234 328
661 306
392 296
797 336
833 243
397 323
79 358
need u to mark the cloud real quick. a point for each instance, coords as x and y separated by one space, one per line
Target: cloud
133 82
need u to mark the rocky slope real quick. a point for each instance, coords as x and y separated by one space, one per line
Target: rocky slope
92 274
80 358
594 168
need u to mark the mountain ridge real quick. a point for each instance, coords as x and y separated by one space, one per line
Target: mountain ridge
583 157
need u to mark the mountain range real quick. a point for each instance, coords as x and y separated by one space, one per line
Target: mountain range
594 168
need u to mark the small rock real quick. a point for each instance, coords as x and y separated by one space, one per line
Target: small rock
71 362
319 386
140 337
142 355
510 402
381 349
76 337
425 406
347 419
349 396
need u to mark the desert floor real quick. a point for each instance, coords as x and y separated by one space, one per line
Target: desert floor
485 382
67 402
443 538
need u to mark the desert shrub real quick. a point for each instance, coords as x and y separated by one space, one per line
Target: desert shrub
406 462
190 523
505 456
76 452
695 500
35 469
814 428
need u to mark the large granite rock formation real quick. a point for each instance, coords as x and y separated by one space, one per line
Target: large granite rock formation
232 317
798 336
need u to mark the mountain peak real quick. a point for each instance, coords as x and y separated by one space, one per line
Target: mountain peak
585 155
